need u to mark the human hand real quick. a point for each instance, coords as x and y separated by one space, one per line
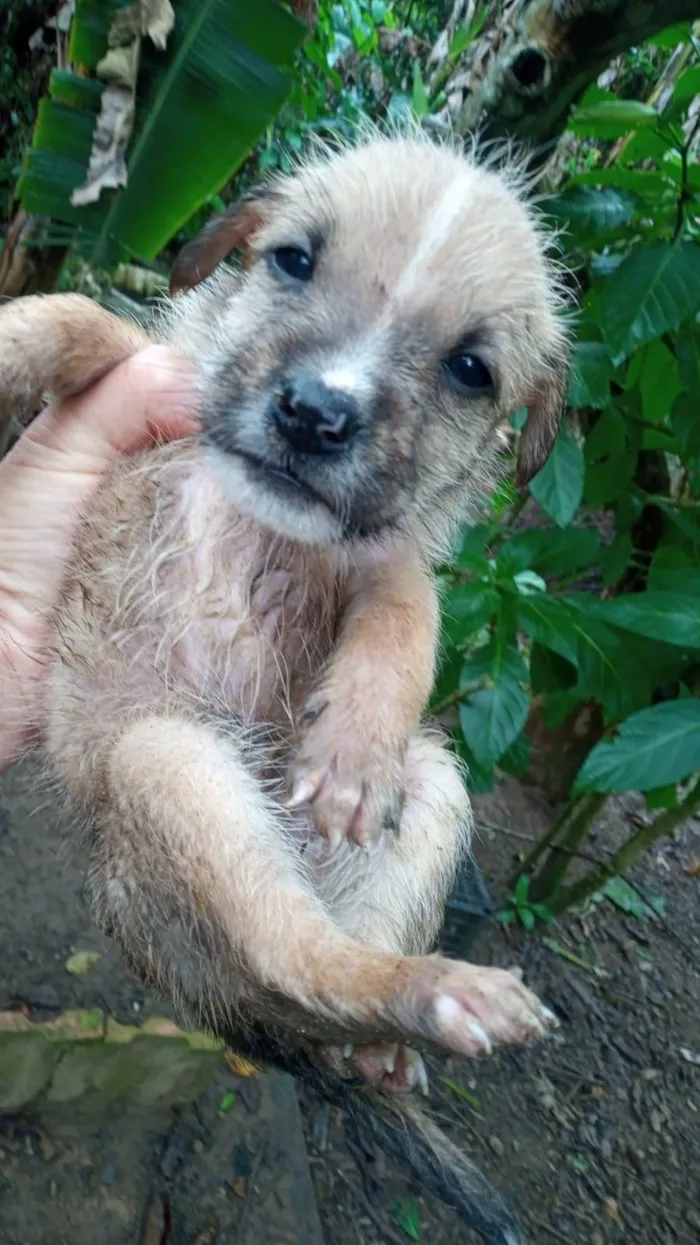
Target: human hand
46 483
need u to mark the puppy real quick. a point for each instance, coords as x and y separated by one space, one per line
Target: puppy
246 638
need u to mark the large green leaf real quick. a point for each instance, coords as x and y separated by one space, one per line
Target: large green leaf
549 551
652 292
591 372
593 209
659 381
492 718
653 748
668 616
203 103
558 487
611 118
465 609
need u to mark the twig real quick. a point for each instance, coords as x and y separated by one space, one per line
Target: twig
565 954
247 1205
378 1220
629 853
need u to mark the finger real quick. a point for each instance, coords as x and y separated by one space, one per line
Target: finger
150 397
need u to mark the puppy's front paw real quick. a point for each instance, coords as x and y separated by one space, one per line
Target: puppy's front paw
351 781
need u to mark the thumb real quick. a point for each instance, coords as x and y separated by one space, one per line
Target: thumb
149 397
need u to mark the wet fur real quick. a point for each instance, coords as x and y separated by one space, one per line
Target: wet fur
220 644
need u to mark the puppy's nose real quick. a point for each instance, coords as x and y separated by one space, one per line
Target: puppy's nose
313 418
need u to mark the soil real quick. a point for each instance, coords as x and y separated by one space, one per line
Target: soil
593 1136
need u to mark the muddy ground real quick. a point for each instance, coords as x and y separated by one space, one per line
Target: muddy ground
594 1137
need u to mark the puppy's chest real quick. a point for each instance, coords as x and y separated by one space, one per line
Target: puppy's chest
257 617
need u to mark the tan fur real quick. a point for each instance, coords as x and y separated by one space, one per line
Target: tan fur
240 671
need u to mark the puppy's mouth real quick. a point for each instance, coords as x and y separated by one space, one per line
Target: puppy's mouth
283 480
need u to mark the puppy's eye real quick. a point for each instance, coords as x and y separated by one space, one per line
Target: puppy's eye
470 373
293 262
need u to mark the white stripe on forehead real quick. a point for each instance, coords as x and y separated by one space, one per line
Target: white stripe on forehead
353 370
436 231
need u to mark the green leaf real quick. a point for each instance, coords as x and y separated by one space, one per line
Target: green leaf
522 887
653 291
466 608
659 382
668 616
616 557
408 1218
527 918
543 913
628 898
549 621
610 459
447 679
226 1102
671 570
493 661
465 1094
653 748
564 551
558 487
202 105
591 372
549 672
517 758
419 99
480 778
611 118
662 797
591 210
492 718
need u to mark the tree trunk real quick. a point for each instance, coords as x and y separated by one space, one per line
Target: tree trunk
27 268
521 77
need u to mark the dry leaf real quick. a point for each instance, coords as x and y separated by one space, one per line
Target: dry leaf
81 962
239 1066
119 69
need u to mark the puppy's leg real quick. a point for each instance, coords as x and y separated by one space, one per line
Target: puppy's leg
392 896
57 344
195 879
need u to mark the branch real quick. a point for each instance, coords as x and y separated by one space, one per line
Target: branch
628 854
521 78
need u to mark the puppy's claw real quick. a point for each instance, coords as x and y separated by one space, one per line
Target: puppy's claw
302 792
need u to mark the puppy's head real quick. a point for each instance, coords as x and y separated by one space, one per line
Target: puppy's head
394 308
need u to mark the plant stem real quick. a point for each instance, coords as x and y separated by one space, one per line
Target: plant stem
628 854
541 845
579 816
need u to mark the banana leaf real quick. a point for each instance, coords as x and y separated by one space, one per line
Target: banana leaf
203 103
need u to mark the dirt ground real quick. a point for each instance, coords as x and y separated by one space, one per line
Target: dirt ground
594 1137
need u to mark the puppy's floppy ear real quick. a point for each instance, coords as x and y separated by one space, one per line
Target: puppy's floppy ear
229 231
545 411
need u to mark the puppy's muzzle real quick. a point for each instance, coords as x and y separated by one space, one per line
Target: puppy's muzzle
313 418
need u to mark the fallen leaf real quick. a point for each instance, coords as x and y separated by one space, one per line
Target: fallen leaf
238 1065
81 962
466 1094
611 1209
690 1056
407 1215
227 1102
156 1225
694 869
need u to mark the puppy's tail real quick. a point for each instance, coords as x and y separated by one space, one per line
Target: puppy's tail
397 1125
